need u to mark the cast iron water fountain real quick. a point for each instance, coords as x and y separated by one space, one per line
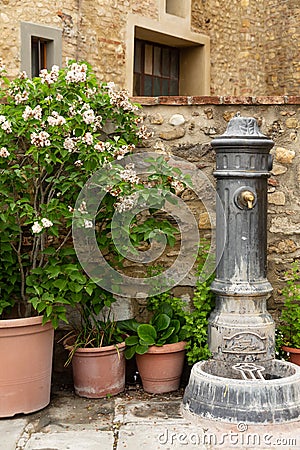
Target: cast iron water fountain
242 382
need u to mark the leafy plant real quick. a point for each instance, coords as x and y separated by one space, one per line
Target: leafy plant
163 328
192 320
195 317
290 315
96 328
56 130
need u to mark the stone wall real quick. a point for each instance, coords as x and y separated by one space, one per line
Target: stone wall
254 45
185 127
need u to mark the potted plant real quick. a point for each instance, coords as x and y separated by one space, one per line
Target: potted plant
289 327
96 349
159 348
55 131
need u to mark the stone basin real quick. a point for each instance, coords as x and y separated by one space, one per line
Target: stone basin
216 391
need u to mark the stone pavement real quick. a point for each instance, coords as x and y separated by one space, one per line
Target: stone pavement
134 420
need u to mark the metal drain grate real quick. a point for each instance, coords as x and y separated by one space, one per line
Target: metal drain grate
249 371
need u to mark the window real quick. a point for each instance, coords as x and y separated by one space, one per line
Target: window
156 69
164 57
176 7
41 47
38 55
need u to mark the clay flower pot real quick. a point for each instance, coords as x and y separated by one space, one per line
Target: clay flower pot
294 354
161 367
98 372
26 349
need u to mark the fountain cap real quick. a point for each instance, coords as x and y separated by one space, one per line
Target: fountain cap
240 126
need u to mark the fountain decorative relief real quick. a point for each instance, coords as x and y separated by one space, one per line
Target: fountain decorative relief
242 381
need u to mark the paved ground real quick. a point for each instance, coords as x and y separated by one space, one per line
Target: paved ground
134 421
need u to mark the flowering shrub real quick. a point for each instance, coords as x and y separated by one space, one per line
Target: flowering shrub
55 131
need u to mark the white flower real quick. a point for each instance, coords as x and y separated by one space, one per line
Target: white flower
6 126
102 146
47 223
82 208
36 228
120 99
126 203
36 113
69 144
88 116
21 97
59 97
77 73
55 119
144 133
120 152
4 153
40 139
128 174
78 163
88 139
88 223
49 77
23 75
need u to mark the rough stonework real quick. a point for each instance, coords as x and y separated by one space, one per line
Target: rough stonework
255 67
200 123
254 46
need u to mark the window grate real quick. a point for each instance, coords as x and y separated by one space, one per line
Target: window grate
156 69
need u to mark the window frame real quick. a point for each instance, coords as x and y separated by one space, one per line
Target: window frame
53 37
163 79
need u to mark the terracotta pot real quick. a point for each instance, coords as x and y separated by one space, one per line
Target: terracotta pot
294 354
161 367
26 349
98 372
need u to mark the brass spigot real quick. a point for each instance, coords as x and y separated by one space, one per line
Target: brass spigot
248 198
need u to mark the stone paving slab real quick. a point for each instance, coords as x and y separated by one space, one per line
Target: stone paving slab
152 411
75 440
136 421
10 432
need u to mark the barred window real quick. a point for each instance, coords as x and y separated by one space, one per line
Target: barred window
156 69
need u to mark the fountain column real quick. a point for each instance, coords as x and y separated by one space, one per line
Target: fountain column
242 382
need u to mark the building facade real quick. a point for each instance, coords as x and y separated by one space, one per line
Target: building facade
161 47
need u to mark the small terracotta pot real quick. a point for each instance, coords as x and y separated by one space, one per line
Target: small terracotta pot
98 372
26 349
161 367
294 354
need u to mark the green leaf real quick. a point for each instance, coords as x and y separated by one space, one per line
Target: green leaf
147 333
129 352
132 340
60 284
141 349
161 321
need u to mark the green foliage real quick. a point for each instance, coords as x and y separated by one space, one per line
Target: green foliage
56 130
194 319
290 314
96 329
165 327
190 324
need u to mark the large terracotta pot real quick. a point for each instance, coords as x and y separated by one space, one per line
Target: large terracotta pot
161 367
98 372
26 349
294 354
